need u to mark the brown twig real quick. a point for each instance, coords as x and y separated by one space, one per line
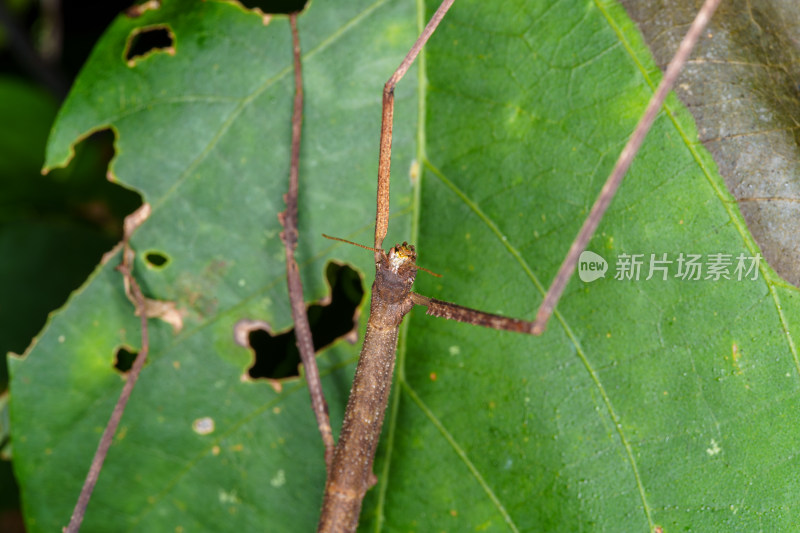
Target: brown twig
289 237
624 161
126 268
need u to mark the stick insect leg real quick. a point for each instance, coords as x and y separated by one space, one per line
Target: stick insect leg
385 156
472 316
624 161
289 236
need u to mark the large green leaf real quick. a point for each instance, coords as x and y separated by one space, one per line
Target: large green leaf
647 403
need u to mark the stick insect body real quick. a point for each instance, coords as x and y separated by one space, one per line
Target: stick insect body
350 475
351 472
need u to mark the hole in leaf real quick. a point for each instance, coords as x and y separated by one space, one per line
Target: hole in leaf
156 259
148 40
277 356
123 359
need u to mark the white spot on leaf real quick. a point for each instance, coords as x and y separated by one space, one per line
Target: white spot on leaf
279 479
714 449
228 497
413 172
203 426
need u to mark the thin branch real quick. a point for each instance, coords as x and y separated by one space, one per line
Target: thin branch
624 161
289 237
385 155
27 55
126 268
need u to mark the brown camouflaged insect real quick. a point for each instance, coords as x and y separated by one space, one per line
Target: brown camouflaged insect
350 474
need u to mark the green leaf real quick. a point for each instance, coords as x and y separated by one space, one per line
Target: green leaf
646 403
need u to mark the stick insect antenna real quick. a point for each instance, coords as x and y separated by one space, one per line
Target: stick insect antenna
378 251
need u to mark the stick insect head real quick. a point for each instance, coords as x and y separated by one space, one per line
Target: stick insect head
402 256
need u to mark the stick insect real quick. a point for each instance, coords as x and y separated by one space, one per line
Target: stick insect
227 448
350 475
